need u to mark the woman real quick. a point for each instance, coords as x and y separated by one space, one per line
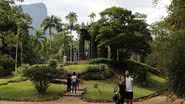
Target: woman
74 82
78 82
122 86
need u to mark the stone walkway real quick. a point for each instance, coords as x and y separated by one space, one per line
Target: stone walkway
77 100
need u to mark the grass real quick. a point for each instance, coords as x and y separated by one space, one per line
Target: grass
8 79
25 91
80 68
107 87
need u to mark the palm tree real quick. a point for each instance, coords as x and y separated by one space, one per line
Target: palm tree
50 23
92 16
39 41
72 18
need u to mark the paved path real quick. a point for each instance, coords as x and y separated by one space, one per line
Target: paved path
77 100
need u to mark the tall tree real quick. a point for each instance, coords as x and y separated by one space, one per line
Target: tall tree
92 16
72 19
123 32
51 23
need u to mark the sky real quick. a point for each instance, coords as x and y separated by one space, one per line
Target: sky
83 8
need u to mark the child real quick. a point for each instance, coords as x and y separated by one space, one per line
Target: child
116 97
69 83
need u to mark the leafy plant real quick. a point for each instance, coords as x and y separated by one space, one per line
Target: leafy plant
20 70
53 63
41 76
100 61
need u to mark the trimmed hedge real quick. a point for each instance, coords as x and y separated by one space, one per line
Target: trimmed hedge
41 76
53 63
101 61
89 71
20 70
134 65
98 72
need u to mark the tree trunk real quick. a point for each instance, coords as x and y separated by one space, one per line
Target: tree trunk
21 53
93 48
16 56
102 52
71 49
51 52
113 54
109 52
81 47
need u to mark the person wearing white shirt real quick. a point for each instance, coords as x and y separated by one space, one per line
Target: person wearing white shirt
65 59
74 82
129 88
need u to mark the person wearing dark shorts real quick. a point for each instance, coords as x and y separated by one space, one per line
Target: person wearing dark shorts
129 88
69 83
122 90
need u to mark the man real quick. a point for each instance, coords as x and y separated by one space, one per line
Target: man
129 88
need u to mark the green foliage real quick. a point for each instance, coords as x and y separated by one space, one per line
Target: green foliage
41 76
7 64
53 63
140 71
101 61
20 70
90 71
98 72
122 30
177 64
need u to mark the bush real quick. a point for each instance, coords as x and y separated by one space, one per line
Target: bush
53 63
101 61
7 65
41 76
20 70
98 72
139 71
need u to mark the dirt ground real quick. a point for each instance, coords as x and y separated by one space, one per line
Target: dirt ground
77 100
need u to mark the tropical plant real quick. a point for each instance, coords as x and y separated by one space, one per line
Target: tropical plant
51 23
41 76
72 19
92 16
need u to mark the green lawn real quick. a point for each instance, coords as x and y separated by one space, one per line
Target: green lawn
107 87
80 68
8 79
26 91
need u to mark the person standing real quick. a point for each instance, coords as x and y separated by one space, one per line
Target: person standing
128 88
74 83
64 59
122 86
69 83
78 82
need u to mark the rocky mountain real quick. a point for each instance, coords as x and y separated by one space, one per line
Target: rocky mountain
38 13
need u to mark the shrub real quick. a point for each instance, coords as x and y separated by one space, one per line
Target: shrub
41 76
139 71
98 72
53 63
7 63
20 70
101 61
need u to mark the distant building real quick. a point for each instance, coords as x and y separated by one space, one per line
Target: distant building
38 13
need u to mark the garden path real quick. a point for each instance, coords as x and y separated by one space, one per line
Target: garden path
77 100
